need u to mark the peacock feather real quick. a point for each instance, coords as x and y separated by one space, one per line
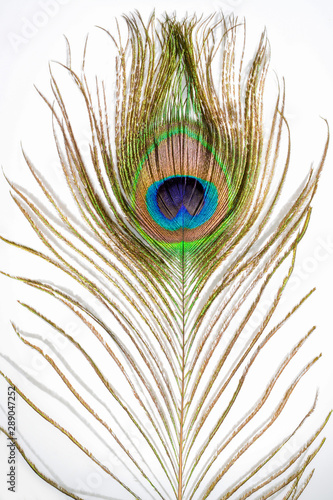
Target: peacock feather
177 237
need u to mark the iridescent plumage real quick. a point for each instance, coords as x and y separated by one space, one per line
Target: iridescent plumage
180 206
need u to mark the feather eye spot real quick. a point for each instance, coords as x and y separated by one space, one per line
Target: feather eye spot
182 190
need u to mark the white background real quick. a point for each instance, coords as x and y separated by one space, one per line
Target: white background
300 33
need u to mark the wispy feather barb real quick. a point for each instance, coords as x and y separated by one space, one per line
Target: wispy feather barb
177 248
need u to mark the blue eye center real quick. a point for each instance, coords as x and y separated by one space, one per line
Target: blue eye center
180 192
181 201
